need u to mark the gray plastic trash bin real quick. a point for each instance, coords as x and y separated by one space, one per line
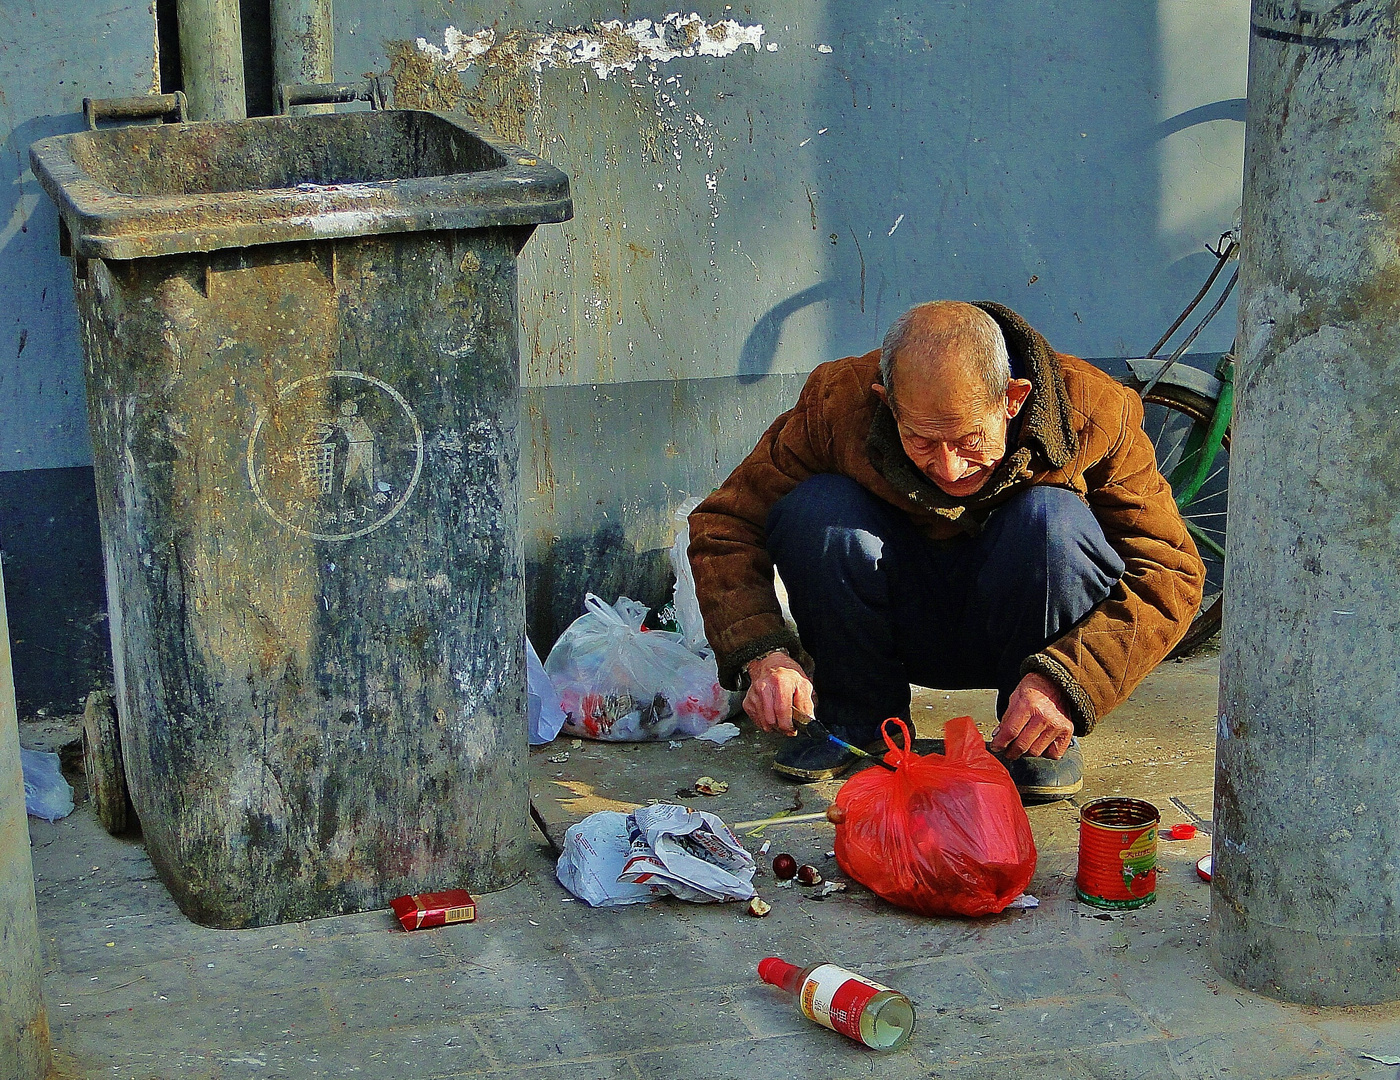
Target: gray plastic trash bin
303 391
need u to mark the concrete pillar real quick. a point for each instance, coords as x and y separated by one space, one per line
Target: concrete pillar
302 47
1305 903
24 1026
211 58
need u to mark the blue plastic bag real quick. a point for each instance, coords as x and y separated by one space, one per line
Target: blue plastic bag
46 794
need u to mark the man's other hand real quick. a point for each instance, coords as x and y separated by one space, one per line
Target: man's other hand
1036 721
777 683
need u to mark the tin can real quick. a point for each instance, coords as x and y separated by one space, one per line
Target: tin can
1117 853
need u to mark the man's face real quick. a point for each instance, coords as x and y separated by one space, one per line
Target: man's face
952 434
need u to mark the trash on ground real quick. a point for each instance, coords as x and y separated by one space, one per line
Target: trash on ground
784 866
786 883
719 734
47 795
830 887
577 744
1117 853
684 599
830 855
868 1012
944 834
758 908
544 713
1384 1059
708 785
1025 900
673 745
1180 832
434 909
620 683
807 874
559 759
1203 868
766 845
610 858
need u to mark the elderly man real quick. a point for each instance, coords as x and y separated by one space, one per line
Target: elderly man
962 508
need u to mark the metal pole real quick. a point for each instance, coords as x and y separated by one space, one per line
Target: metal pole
1305 901
302 47
24 1026
211 56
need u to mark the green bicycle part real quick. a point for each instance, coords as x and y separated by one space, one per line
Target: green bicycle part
1202 446
1201 538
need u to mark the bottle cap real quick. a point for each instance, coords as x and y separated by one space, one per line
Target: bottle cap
1183 832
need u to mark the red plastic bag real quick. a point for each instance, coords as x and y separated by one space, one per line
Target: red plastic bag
942 834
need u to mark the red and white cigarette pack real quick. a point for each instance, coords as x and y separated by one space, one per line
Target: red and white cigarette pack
434 909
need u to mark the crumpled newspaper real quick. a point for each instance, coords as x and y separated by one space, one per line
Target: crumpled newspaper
611 859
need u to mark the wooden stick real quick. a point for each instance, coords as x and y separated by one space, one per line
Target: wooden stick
789 819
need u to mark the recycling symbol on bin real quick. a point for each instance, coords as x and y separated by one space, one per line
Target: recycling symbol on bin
336 456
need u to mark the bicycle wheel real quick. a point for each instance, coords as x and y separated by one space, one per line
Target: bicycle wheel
1170 413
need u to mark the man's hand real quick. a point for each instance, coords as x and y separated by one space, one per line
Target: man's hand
1036 721
777 683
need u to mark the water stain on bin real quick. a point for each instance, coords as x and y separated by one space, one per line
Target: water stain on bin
303 394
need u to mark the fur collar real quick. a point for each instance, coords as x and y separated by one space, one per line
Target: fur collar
1046 431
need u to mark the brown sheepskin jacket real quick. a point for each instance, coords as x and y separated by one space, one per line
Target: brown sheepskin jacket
1080 430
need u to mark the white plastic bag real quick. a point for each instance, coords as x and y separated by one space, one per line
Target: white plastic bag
621 683
546 716
47 794
612 859
686 604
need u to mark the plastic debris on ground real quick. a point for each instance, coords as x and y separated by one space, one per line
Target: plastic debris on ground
546 716
719 734
708 785
611 859
943 834
559 759
47 795
620 683
1025 900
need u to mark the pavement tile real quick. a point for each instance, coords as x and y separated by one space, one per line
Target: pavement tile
1268 1053
116 1049
1128 1061
813 1052
1050 971
953 1035
244 970
617 1068
310 1058
423 1000
115 990
1054 1066
611 1028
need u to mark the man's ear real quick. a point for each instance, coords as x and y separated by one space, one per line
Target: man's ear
1017 392
881 393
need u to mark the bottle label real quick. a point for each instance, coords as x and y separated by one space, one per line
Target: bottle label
835 998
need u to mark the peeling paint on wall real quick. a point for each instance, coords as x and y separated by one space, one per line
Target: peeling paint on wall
611 46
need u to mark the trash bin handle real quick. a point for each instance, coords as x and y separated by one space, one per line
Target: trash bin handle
371 90
143 107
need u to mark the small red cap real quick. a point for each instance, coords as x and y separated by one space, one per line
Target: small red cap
779 973
1183 832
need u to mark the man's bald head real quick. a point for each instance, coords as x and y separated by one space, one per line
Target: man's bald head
947 344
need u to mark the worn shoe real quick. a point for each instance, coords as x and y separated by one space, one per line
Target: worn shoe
1042 780
806 758
1038 779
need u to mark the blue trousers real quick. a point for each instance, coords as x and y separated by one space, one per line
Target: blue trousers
879 606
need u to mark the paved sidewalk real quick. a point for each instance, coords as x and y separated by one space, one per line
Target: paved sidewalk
545 987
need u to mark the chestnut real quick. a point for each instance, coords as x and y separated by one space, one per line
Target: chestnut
784 866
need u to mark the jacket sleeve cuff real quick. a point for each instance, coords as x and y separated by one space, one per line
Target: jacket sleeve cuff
1084 714
734 666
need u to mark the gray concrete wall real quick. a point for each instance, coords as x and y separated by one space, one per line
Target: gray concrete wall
24 1026
739 218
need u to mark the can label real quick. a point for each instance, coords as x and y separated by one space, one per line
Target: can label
836 999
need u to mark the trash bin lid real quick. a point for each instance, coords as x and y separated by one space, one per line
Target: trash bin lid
137 192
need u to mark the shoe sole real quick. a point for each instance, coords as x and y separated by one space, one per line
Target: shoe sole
1046 793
